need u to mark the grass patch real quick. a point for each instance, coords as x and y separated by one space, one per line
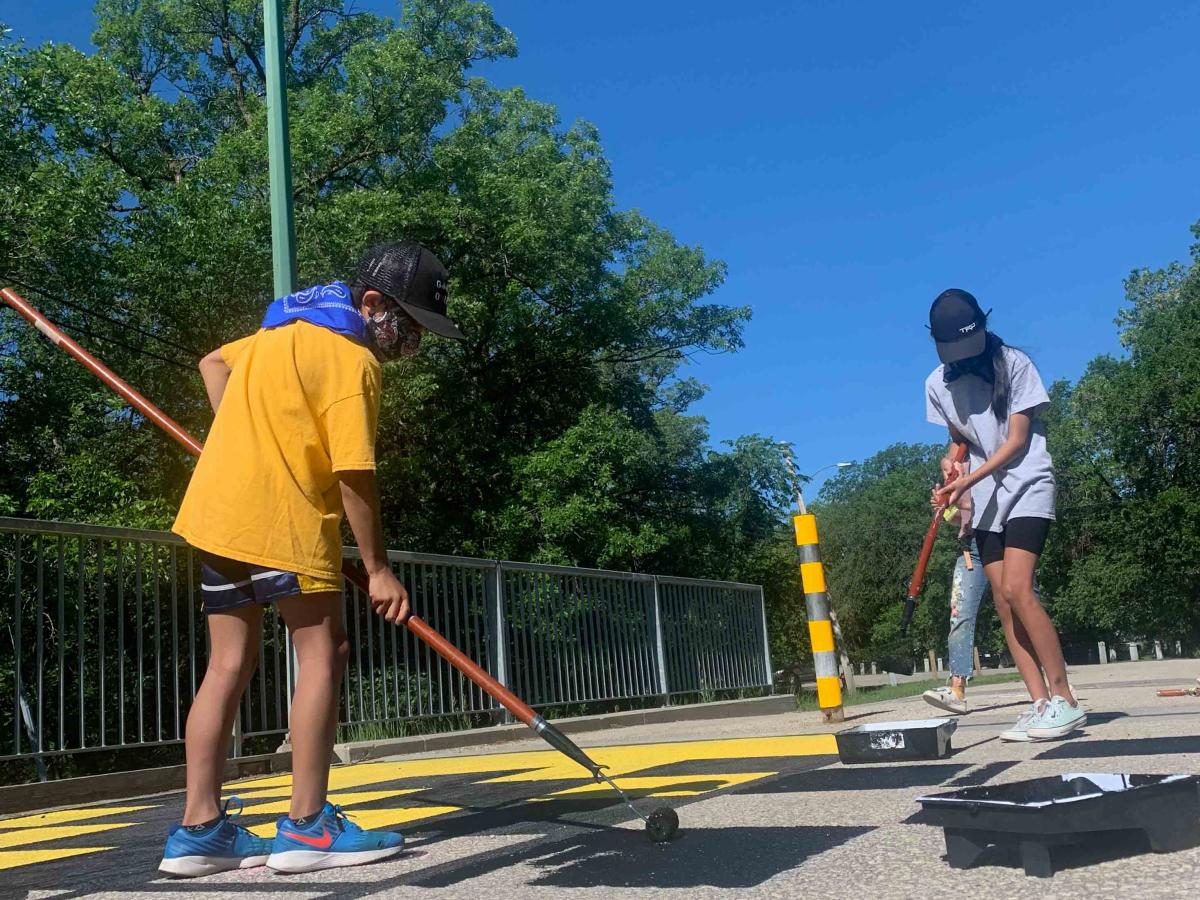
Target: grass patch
808 700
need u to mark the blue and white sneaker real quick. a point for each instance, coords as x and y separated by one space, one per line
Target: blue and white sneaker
1057 719
218 848
1020 731
329 841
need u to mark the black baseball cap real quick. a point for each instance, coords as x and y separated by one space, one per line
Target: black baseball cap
416 279
958 325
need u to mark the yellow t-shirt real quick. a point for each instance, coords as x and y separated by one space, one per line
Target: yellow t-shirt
301 405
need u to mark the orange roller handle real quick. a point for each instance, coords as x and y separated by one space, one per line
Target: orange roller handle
931 533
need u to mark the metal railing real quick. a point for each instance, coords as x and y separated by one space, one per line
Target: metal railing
103 644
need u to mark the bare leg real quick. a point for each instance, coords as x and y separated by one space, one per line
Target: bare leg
233 638
319 636
1023 651
1017 587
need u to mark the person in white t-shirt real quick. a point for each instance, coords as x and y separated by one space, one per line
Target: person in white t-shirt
990 396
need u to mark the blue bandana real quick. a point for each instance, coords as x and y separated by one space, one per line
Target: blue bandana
327 305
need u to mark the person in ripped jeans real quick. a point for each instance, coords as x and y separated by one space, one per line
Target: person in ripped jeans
967 590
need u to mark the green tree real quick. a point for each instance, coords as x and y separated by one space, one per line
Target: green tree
134 206
1125 440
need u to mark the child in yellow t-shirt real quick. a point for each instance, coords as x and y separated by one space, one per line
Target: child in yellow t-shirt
292 447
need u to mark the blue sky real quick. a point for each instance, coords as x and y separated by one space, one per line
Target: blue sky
849 161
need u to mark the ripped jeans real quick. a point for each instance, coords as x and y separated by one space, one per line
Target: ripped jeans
966 593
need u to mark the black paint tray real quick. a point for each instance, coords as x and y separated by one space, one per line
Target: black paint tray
895 741
1034 816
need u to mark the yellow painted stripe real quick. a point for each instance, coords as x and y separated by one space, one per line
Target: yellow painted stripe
812 576
58 817
12 859
554 766
550 765
281 807
820 634
23 836
829 692
669 786
806 530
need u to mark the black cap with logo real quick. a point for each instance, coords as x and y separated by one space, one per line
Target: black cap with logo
415 279
958 325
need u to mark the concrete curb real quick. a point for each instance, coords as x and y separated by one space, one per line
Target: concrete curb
20 798
361 751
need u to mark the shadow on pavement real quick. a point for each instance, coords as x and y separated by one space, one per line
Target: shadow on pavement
705 857
1103 718
1124 747
865 715
982 775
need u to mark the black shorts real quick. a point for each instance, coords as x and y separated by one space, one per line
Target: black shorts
1024 533
227 584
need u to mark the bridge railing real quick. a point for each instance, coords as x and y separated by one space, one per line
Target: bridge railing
102 642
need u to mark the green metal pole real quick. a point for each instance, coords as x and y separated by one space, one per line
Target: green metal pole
279 152
283 226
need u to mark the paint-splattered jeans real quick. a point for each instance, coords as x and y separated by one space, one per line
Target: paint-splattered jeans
966 593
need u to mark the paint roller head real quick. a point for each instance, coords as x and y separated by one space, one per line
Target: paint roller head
662 824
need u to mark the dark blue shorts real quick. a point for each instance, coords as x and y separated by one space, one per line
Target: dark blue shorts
227 584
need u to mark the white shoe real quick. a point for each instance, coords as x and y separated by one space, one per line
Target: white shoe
1057 719
944 698
1020 731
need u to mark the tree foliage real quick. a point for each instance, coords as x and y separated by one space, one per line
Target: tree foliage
134 207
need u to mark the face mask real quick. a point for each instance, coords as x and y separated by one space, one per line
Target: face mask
394 334
980 366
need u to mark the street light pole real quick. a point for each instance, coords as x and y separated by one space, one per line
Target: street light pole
279 152
799 480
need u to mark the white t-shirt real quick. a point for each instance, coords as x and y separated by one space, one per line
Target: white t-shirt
1026 486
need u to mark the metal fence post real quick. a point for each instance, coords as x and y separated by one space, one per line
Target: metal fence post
762 611
660 649
236 747
497 622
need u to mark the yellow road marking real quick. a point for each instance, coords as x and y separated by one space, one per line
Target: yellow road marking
12 859
40 820
550 765
674 786
529 766
554 766
281 807
55 832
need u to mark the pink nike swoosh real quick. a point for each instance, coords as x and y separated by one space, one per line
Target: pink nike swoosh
321 843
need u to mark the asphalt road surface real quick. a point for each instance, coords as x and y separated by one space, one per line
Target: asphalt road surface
766 810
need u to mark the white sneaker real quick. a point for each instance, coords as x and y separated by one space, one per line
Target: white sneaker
1057 719
1020 731
944 698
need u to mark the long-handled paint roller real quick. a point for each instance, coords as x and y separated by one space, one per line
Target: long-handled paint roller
661 824
918 578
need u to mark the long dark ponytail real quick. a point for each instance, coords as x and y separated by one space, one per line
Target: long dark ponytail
1001 383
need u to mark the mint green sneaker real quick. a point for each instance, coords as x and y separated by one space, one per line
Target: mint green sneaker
1020 731
1058 718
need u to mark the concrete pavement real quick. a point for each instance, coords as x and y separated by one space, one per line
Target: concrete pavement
766 811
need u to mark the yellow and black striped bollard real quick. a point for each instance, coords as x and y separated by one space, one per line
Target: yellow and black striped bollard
820 628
